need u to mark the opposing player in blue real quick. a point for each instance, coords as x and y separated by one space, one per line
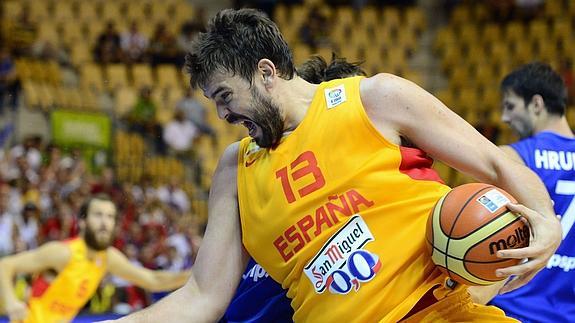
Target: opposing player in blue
258 297
534 105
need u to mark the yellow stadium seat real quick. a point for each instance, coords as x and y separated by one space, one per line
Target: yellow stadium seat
523 52
167 76
89 99
514 32
31 94
80 54
92 78
142 76
498 51
415 19
39 11
369 16
480 12
468 34
116 76
391 17
345 16
63 11
48 31
299 14
111 11
87 11
281 14
301 54
395 60
467 100
53 72
484 75
553 9
184 11
562 29
446 96
538 30
445 37
451 57
12 9
459 76
125 99
407 41
461 15
491 33
71 33
46 95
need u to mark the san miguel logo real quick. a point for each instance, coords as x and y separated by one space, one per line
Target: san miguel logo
342 264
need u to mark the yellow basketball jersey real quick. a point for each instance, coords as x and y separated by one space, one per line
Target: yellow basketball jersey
71 289
337 213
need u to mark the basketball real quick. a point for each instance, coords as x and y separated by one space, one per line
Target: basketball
467 227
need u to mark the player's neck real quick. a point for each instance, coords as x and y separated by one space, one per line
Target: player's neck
294 100
557 125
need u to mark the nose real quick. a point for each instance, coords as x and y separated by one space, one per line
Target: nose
505 118
222 111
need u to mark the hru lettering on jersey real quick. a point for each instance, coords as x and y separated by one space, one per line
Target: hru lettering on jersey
563 262
342 264
297 235
256 273
554 160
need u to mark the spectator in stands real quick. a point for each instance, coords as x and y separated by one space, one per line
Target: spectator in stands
108 185
142 119
108 48
163 47
8 228
195 112
528 9
179 135
134 44
9 81
28 226
30 148
46 50
22 33
173 195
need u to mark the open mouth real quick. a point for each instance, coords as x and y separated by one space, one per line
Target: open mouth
250 126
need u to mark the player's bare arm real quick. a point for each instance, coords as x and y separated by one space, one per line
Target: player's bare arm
52 255
398 107
220 261
147 279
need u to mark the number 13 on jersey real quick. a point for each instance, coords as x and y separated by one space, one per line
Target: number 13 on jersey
305 165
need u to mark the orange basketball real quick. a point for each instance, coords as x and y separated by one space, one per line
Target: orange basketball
467 227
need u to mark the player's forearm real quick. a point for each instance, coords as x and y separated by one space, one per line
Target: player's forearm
6 284
183 305
484 294
527 188
167 280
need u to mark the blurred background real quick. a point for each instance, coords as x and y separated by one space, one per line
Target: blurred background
93 99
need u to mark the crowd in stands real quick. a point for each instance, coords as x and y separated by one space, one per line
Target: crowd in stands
43 187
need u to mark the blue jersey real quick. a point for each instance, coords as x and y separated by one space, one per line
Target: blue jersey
550 296
259 299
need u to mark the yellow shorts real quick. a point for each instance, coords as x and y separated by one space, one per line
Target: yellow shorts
458 307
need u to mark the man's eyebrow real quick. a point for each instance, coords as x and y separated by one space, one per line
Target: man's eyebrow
217 91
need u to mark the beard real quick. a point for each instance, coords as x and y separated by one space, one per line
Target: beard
267 116
92 240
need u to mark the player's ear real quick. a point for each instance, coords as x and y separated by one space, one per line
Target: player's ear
538 104
267 72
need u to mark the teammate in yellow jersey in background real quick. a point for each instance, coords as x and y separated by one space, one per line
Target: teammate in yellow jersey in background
326 196
80 263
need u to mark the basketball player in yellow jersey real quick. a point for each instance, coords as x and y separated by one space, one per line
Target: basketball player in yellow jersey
325 197
81 264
